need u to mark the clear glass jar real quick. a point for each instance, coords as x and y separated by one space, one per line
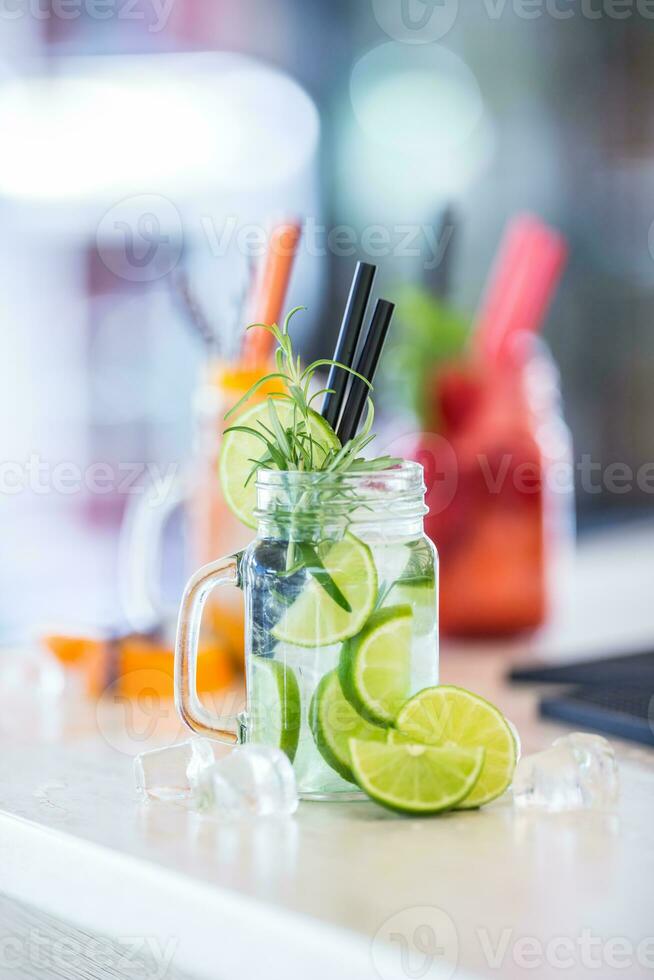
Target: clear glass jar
334 558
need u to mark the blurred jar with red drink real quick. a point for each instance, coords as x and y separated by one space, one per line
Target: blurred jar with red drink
496 451
501 493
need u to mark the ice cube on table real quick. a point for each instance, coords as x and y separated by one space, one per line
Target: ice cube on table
516 739
253 780
578 772
30 673
32 686
172 774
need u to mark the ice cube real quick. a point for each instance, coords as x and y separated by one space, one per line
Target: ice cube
579 771
392 558
32 685
173 773
516 739
252 780
30 672
309 666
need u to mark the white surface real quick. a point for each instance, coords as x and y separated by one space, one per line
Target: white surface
306 896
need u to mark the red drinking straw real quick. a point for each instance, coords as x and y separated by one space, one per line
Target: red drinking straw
271 292
523 281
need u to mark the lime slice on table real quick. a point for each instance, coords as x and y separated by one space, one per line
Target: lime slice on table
274 717
334 722
315 618
238 449
418 779
375 666
446 716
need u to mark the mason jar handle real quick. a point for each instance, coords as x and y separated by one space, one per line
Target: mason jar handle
225 571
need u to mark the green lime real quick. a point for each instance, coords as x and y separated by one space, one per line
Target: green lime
375 666
274 716
238 449
334 722
315 618
420 594
448 716
416 779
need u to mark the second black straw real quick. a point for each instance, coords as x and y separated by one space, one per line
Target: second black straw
348 339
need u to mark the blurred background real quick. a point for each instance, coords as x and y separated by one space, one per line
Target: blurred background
145 138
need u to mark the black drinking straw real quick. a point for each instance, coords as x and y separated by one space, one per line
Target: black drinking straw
439 280
348 338
367 366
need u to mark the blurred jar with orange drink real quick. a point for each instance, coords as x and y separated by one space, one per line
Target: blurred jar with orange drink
211 527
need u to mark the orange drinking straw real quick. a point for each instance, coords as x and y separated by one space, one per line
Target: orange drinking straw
271 293
522 283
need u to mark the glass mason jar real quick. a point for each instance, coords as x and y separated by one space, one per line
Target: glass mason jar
334 558
502 495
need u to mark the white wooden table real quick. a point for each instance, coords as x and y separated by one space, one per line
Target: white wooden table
340 889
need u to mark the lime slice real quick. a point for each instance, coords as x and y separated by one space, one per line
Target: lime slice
315 619
375 666
415 779
238 449
334 722
420 594
274 715
453 716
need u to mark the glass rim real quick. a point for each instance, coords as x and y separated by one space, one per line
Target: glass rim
407 475
318 496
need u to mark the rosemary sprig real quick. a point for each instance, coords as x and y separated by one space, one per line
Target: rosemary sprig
292 447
